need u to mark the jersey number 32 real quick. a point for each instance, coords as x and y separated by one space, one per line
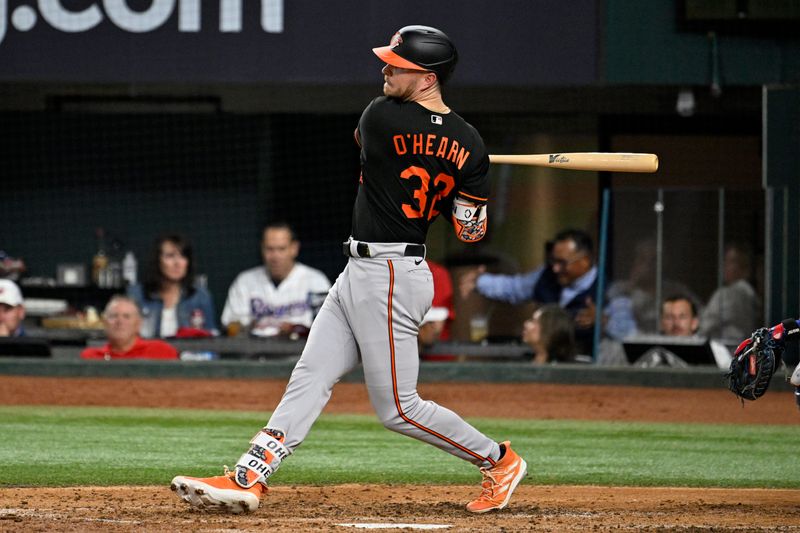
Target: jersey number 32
442 185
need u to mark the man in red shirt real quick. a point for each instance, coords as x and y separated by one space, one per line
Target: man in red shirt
122 322
435 325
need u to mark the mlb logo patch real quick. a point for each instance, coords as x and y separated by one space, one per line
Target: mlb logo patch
436 119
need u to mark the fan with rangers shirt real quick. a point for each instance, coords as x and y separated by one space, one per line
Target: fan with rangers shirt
277 297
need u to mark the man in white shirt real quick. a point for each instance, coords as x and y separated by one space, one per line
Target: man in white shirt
276 298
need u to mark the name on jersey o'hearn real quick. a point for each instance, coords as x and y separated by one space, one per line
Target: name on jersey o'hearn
431 144
64 15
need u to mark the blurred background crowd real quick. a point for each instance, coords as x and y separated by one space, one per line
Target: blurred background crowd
203 166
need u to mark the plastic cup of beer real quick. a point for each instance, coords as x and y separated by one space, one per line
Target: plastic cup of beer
478 328
234 328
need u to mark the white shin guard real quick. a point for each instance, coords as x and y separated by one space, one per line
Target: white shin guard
262 459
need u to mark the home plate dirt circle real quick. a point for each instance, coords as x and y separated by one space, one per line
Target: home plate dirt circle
400 525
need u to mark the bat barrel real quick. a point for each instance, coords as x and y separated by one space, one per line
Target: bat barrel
593 161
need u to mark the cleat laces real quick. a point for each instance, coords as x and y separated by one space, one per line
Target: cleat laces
488 484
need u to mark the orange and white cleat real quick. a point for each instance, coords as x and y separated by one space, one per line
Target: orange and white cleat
499 482
239 491
218 493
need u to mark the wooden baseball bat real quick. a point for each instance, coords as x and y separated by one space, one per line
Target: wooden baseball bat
597 161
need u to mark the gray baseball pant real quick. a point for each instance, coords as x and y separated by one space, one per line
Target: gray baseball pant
373 311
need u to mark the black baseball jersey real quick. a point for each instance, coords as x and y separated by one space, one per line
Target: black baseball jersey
413 164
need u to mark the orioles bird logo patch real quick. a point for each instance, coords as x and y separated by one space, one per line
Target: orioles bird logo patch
396 41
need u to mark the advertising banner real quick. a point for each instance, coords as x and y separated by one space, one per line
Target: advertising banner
510 42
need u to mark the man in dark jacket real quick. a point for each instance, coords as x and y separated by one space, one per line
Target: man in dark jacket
569 279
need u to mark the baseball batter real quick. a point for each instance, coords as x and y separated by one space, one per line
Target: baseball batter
418 159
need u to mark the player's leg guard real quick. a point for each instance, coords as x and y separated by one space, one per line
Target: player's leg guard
241 490
262 459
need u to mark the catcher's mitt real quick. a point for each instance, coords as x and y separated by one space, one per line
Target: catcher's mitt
753 365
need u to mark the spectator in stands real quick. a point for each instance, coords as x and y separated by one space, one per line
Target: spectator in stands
679 316
12 309
569 279
550 333
435 324
275 298
123 320
632 307
442 302
431 328
172 304
732 311
11 268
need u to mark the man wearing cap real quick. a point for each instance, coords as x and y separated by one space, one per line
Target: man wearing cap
418 159
12 310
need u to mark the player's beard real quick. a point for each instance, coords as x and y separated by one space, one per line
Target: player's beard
394 91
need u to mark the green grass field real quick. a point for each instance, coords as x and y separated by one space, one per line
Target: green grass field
57 446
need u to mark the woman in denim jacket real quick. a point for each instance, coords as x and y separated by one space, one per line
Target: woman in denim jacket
172 305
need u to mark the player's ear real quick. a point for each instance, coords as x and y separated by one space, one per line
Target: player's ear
430 79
